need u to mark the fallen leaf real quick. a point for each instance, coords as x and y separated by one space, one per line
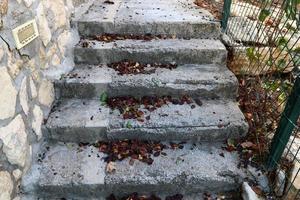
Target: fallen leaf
257 190
246 145
111 167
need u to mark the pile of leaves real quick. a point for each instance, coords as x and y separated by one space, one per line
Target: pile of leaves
261 110
135 196
133 67
213 6
130 107
134 149
227 196
109 37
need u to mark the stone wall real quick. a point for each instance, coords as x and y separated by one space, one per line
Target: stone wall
26 90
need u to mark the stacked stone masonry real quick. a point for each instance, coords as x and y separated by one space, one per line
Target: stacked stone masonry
26 91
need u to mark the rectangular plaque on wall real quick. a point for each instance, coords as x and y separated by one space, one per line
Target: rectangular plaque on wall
25 33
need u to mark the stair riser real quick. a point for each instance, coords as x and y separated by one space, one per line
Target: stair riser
92 134
182 56
76 134
180 30
199 134
103 191
93 91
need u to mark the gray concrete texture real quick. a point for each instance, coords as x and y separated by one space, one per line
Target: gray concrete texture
205 81
180 18
193 51
69 171
89 121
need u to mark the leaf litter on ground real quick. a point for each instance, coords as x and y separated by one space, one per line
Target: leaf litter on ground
134 150
134 108
133 67
109 37
136 196
262 112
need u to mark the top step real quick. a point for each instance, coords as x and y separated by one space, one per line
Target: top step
180 18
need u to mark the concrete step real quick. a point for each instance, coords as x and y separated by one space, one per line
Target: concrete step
73 172
193 51
205 81
195 196
181 18
76 120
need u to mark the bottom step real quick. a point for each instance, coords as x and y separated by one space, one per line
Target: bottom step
200 196
73 172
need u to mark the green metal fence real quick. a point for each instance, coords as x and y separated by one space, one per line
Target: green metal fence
263 41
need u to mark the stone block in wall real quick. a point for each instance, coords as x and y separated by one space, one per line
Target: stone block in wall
33 90
6 185
15 67
28 3
23 96
55 61
37 121
63 40
51 51
59 18
17 174
8 95
15 144
46 93
3 7
2 51
44 30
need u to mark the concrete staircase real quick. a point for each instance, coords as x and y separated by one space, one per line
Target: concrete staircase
61 169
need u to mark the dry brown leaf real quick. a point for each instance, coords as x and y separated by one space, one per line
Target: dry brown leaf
111 167
246 145
257 190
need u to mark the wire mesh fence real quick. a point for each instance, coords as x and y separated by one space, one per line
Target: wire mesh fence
263 41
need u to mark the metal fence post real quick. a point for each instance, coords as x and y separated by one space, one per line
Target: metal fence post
226 14
286 126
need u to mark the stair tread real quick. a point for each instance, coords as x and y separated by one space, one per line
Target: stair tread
193 51
132 11
203 44
194 80
158 17
65 168
184 74
215 119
